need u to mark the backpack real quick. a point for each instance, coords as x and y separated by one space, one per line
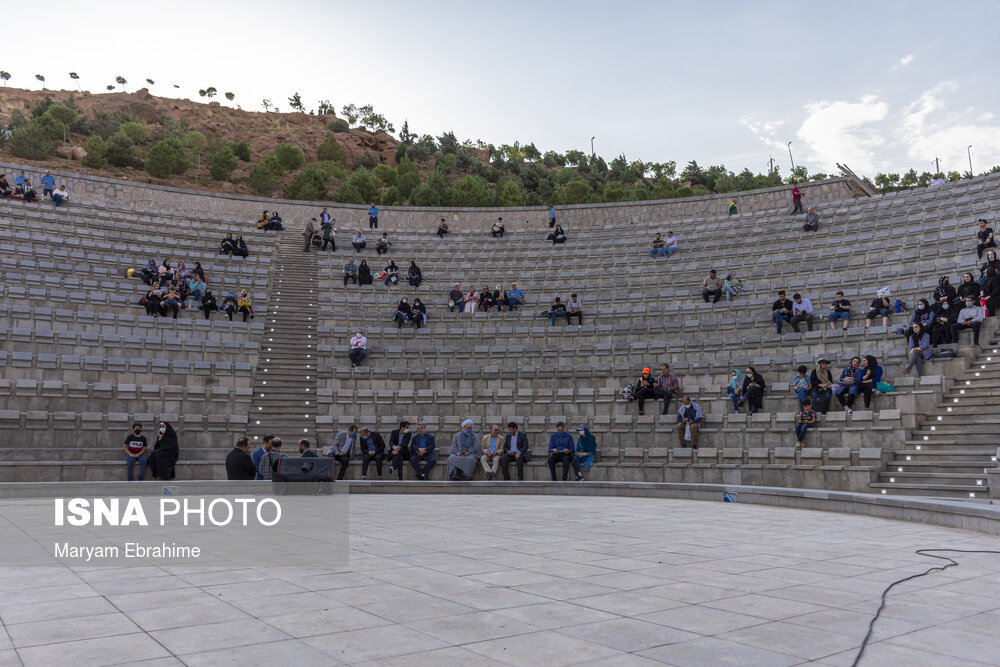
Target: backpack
945 353
628 392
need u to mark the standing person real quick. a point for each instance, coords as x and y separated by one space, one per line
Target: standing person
304 451
372 449
324 217
492 450
552 216
732 208
806 419
135 450
239 465
516 449
48 184
586 449
422 456
359 348
711 287
796 199
689 417
463 459
329 232
342 449
373 216
399 448
562 448
918 345
258 453
984 238
165 452
307 232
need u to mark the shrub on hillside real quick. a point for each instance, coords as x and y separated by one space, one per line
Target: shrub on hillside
272 164
41 107
470 191
406 183
391 197
224 162
311 184
262 180
333 169
121 151
446 163
31 143
386 174
574 192
400 153
138 132
425 195
338 125
61 117
366 160
291 157
330 150
508 194
365 184
241 150
165 158
348 194
96 149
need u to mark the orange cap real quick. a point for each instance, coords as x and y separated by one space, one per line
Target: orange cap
645 370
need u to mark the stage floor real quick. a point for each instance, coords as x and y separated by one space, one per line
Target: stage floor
536 580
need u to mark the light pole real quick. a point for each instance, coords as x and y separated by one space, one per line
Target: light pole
592 146
969 150
790 159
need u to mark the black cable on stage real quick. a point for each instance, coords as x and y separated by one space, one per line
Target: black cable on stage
922 552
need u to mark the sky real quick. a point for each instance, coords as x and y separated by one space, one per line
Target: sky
879 86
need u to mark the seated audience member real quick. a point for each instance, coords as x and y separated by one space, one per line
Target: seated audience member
711 287
403 314
806 418
382 244
171 302
918 348
244 305
304 451
802 311
574 308
670 244
471 302
419 314
945 292
28 193
20 180
60 196
500 297
269 461
149 272
865 379
515 450
228 245
668 386
262 220
200 272
274 223
944 316
399 449
991 291
422 456
485 300
166 272
586 450
359 348
659 247
821 385
984 238
229 305
5 189
840 309
645 387
557 310
364 273
557 235
968 287
152 299
456 298
135 452
239 464
970 317
372 448
463 458
562 448
208 303
413 275
492 450
241 247
350 271
496 231
923 315
801 384
734 389
196 287
359 242
732 286
844 385
182 271
442 229
342 448
514 297
781 311
812 221
391 273
881 307
689 417
753 390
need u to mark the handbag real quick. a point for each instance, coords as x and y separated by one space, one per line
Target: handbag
884 387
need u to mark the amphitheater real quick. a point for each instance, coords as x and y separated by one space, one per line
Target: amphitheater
80 362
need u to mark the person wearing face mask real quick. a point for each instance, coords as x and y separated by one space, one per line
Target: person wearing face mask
419 314
970 317
208 303
753 390
845 385
944 317
918 345
342 449
463 459
359 348
372 449
403 314
135 451
399 449
492 449
165 452
968 287
923 315
586 449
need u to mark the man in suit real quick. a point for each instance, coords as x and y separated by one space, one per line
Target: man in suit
239 465
516 449
399 448
372 449
341 449
304 450
422 452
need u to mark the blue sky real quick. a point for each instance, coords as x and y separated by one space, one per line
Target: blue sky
880 86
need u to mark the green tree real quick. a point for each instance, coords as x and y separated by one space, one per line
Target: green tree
509 194
405 135
241 150
110 87
150 81
31 143
470 191
366 160
325 108
406 183
291 157
42 79
261 180
694 174
311 183
448 143
295 101
366 184
139 132
531 153
575 158
224 162
120 80
386 174
97 150
266 103
331 151
425 195
446 163
195 143
62 116
350 112
348 194
161 158
230 96
121 151
574 192
211 92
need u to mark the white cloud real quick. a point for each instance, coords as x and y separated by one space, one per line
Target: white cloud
906 60
765 130
842 131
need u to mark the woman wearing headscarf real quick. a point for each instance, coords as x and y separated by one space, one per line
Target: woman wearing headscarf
403 314
945 314
228 245
753 390
182 271
208 303
968 287
991 263
413 275
923 314
991 291
229 305
464 447
865 379
244 305
364 273
821 386
586 448
846 383
241 247
419 314
200 272
918 348
149 272
944 291
735 389
152 300
391 273
471 301
165 452
485 300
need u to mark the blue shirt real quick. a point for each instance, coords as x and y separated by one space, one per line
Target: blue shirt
493 443
373 211
48 182
552 213
515 294
19 180
257 455
561 440
422 442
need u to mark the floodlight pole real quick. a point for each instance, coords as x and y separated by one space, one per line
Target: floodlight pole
969 150
592 146
790 159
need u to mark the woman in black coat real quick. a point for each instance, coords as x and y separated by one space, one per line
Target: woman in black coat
991 291
364 273
753 390
165 452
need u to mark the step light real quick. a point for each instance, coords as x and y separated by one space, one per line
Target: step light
949 410
972 494
979 482
883 492
919 447
892 480
899 470
908 457
940 417
977 373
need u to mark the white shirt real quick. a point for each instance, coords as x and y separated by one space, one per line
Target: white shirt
359 341
62 193
574 305
805 307
671 241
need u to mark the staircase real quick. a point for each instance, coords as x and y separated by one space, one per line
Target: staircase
947 453
284 386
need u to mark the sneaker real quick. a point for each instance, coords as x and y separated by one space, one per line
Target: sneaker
848 410
390 470
641 412
379 478
580 479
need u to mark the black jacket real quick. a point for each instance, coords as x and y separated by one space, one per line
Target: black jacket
239 466
523 445
403 443
377 442
308 454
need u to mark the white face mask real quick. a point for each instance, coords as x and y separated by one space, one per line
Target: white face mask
163 429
